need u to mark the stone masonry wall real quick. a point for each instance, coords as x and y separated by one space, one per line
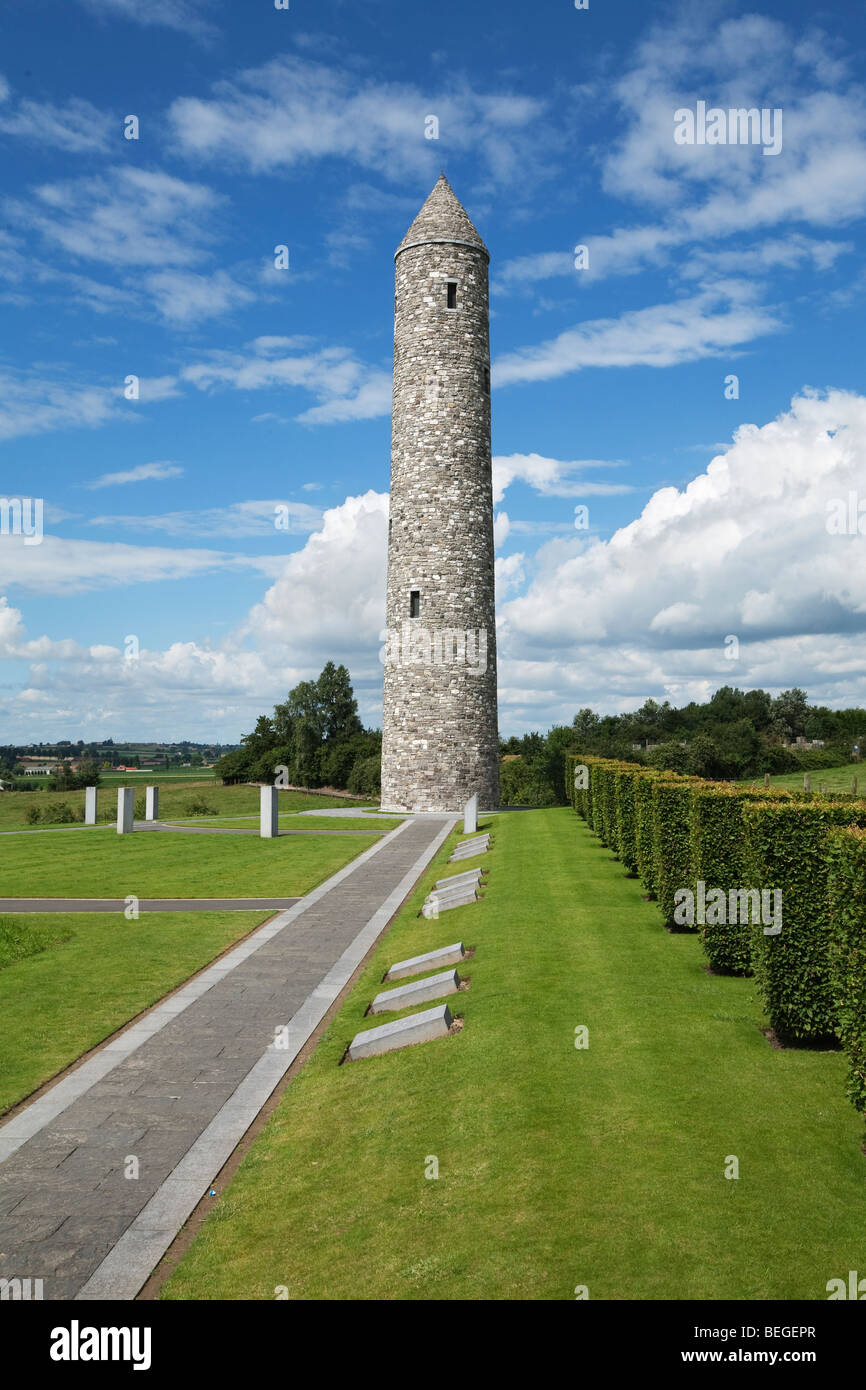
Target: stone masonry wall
440 731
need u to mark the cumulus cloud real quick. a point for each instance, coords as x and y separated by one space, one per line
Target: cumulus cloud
330 596
744 550
327 602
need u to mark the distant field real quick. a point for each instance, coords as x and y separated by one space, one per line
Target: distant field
836 779
176 774
175 795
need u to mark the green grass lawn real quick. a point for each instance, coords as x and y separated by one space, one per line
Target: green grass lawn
99 863
175 794
293 820
837 779
558 1167
67 982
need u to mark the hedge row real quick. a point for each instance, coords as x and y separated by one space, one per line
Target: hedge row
789 850
734 863
847 894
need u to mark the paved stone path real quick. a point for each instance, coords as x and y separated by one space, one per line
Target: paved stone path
145 904
179 1088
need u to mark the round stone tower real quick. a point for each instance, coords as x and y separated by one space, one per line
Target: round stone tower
440 738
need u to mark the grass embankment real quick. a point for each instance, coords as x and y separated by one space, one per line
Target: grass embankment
68 981
558 1167
175 794
835 779
99 863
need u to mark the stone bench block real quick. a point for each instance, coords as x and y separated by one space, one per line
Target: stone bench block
469 844
416 992
470 876
434 906
418 1028
416 965
467 854
459 890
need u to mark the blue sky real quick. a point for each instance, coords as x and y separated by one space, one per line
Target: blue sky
308 128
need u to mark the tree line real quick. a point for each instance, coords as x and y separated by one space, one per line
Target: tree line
316 735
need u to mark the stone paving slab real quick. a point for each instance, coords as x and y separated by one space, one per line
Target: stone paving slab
179 1088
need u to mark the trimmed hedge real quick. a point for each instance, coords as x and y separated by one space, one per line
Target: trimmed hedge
603 804
677 831
671 799
847 952
788 849
645 830
719 860
624 779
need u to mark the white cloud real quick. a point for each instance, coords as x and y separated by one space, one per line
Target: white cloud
328 602
125 217
552 477
142 472
187 16
254 518
330 596
706 324
34 404
75 126
184 297
293 110
743 550
62 567
708 193
346 388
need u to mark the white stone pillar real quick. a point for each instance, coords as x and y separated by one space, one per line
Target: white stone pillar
91 795
268 819
125 809
151 803
470 815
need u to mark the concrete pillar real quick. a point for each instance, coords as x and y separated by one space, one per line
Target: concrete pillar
91 795
268 819
470 815
151 803
125 809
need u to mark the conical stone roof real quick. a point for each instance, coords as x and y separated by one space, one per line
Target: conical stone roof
442 218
